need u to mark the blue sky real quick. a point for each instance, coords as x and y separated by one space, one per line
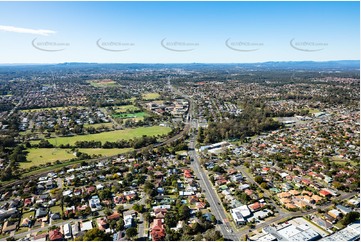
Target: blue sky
191 32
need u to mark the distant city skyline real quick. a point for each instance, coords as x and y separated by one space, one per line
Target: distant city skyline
178 32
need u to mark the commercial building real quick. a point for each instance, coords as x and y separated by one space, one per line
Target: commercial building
350 233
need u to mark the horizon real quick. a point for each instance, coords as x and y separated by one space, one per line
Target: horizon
178 63
178 32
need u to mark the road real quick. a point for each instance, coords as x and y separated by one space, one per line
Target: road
141 228
211 196
214 202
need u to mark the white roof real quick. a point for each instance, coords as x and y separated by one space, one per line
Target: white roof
86 226
244 210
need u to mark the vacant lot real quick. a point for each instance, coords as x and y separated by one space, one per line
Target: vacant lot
151 96
112 136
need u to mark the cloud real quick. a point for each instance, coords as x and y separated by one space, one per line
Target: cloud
26 31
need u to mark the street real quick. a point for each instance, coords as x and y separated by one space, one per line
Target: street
211 196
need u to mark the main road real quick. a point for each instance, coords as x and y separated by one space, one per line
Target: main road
211 195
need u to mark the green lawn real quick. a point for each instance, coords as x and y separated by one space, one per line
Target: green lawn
151 96
313 110
126 108
112 136
108 125
342 161
129 115
56 209
44 155
27 215
54 108
22 230
131 99
102 83
39 156
105 152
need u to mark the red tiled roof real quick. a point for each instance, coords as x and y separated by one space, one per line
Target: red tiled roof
55 235
158 232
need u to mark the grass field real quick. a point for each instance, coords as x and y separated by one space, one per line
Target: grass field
40 156
102 83
129 115
313 110
340 161
126 108
131 99
54 108
112 136
108 125
151 96
44 155
105 152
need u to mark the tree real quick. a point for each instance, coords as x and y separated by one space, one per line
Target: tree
95 235
120 209
350 217
170 219
45 144
131 232
119 225
184 212
105 194
198 237
108 211
264 185
258 179
212 235
137 207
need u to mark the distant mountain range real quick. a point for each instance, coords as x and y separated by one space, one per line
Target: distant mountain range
272 65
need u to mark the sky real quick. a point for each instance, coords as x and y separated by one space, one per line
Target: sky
178 32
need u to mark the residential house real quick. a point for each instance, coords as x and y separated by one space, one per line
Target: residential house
41 212
344 210
94 203
335 213
128 221
85 226
55 235
157 230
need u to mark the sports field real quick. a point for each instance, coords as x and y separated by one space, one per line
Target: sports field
112 136
44 155
102 83
129 115
107 125
40 156
126 108
151 96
